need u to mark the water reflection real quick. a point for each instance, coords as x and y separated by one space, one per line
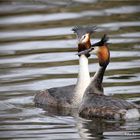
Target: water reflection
109 130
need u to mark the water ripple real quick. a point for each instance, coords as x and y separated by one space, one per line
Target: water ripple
37 51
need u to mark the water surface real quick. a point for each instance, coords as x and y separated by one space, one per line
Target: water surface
37 51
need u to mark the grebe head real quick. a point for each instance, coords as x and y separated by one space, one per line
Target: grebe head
101 50
83 34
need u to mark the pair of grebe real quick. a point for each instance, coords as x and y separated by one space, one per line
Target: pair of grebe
87 95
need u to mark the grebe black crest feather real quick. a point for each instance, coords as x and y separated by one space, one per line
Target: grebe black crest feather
103 41
81 30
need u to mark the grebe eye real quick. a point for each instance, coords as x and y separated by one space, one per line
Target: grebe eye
84 37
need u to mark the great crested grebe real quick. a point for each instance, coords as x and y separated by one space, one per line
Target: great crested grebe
94 103
71 96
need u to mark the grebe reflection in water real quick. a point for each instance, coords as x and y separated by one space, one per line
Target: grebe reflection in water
94 102
71 96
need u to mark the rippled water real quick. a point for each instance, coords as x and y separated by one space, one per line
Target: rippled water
37 51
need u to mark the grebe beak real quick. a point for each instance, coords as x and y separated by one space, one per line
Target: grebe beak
85 52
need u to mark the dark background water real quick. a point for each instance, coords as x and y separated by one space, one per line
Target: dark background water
37 51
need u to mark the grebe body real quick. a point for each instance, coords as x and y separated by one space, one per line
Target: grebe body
94 102
71 96
107 107
68 96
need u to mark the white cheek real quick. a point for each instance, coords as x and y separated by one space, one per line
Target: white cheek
84 40
95 51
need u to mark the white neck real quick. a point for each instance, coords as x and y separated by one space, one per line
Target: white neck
82 81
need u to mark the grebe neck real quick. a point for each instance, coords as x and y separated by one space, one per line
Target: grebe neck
82 81
95 86
98 76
